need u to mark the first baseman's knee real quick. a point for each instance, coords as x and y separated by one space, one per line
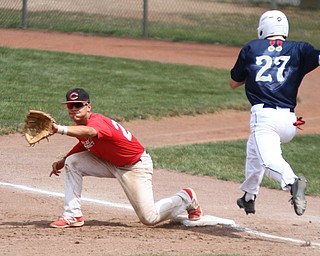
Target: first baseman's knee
148 221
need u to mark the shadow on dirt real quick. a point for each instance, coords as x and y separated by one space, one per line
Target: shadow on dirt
216 230
46 223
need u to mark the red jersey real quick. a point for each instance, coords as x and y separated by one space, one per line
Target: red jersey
113 143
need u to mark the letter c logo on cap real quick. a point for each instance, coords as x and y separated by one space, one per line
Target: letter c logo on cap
74 96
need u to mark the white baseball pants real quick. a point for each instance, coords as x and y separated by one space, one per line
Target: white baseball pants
269 128
136 181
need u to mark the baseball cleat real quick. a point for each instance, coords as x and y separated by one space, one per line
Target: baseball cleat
195 214
66 222
194 210
247 206
298 200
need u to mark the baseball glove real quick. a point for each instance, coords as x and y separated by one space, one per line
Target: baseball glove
37 126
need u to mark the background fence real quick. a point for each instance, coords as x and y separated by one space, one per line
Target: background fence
228 22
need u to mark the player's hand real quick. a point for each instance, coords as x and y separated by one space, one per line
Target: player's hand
56 167
54 128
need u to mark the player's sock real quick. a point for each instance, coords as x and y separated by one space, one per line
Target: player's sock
249 197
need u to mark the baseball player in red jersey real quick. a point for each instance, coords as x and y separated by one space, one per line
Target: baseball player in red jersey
272 69
107 150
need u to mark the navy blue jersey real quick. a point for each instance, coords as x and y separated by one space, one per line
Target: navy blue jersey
273 70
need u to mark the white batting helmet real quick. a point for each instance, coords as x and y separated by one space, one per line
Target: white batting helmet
273 23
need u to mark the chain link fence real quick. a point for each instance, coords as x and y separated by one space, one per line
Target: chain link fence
228 22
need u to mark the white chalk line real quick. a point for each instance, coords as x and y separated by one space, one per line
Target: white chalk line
56 194
287 239
129 207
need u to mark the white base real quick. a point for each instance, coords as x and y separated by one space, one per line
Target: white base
206 220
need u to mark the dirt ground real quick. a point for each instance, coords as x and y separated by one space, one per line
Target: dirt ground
30 200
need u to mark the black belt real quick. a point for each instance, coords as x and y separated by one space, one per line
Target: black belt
275 107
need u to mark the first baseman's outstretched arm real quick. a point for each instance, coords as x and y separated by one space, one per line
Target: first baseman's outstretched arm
78 131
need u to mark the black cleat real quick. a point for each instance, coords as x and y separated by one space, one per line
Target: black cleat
248 206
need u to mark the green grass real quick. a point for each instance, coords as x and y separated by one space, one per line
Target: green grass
120 88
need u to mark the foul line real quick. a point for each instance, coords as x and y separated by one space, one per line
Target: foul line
45 192
287 239
129 207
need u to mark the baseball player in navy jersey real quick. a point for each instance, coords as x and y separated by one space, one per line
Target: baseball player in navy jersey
272 69
107 150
